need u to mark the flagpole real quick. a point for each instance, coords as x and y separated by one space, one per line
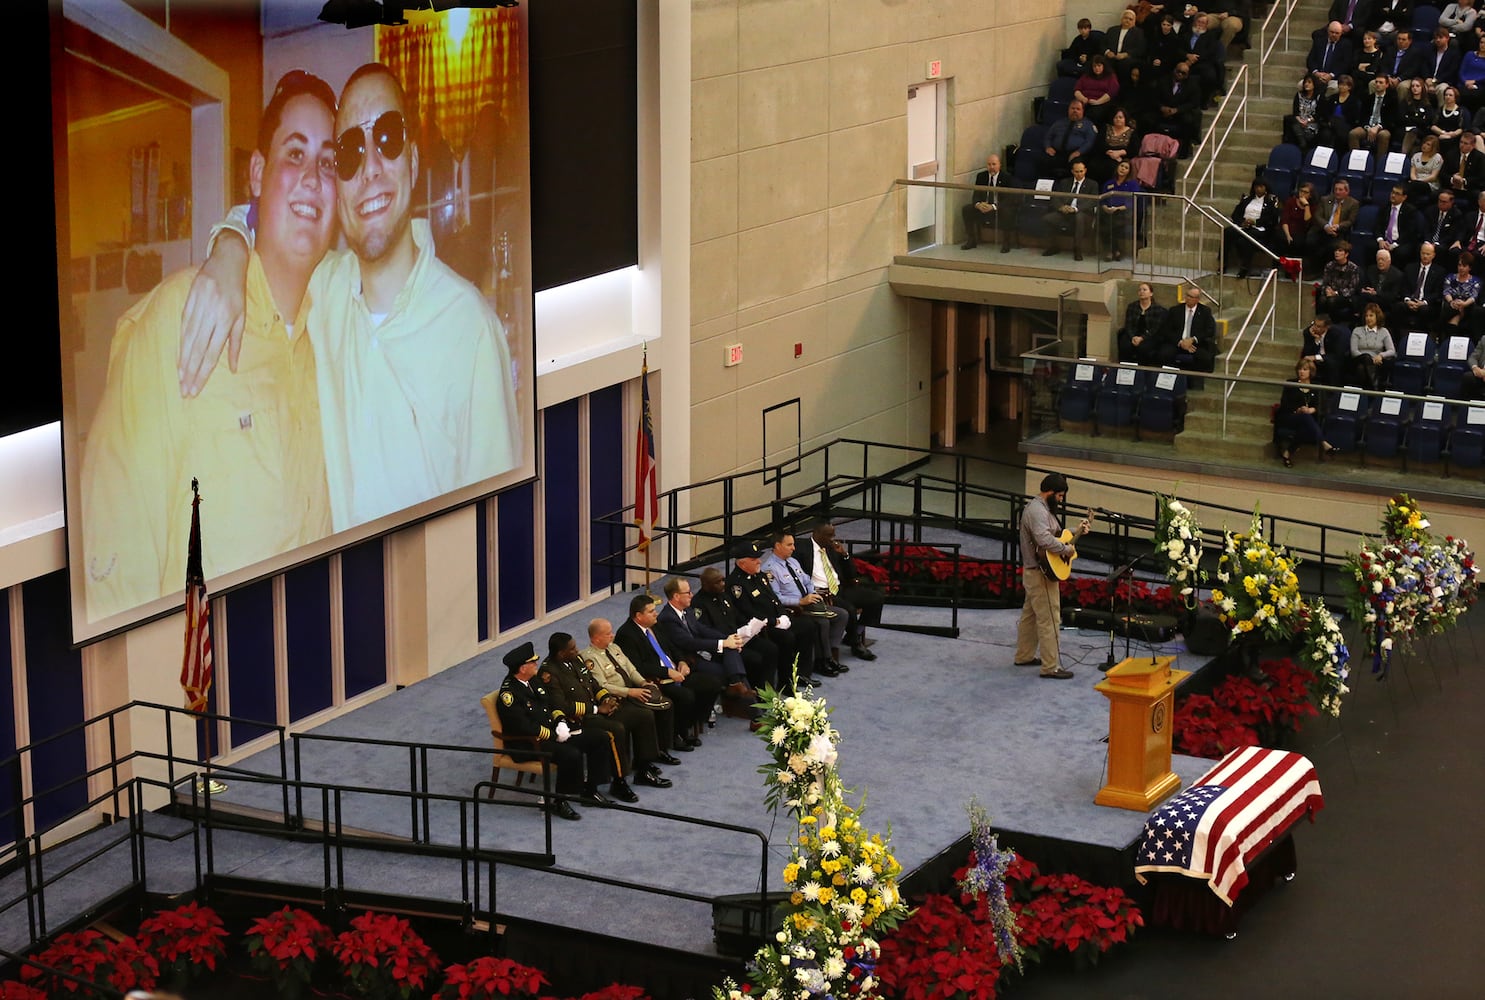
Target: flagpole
196 662
646 492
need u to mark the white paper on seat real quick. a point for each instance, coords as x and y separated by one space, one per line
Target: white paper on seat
1458 349
1165 380
1125 376
1043 184
1397 163
1350 401
1357 159
1433 411
1390 406
1082 373
1417 344
1321 157
1475 415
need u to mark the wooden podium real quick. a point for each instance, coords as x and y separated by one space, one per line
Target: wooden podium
1141 693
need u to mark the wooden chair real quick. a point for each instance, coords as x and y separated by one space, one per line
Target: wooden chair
501 759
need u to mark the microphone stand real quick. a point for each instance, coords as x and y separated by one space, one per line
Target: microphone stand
1113 580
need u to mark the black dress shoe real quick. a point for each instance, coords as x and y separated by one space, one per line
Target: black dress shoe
840 667
652 778
620 790
968 246
563 809
809 682
827 669
666 758
593 797
862 653
681 746
1035 661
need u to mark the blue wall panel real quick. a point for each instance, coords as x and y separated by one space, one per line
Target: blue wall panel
606 478
307 625
364 601
562 493
252 683
55 697
515 568
482 569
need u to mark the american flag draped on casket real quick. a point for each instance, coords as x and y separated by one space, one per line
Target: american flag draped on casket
1228 817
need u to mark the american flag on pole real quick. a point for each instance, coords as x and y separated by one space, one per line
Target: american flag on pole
646 494
1232 814
195 668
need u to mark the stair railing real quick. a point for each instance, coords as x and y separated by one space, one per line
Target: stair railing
1271 35
1267 300
1203 166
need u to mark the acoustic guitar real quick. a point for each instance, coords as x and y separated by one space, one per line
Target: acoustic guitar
1056 565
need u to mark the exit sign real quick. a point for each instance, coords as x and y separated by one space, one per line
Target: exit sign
734 355
935 68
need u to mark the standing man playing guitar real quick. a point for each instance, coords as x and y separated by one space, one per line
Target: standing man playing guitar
1041 615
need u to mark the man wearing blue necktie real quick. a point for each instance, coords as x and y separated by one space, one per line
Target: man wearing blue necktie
693 694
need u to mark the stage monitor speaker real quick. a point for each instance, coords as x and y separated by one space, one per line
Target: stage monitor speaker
1206 635
738 928
1145 628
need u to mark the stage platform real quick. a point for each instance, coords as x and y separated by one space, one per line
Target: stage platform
931 724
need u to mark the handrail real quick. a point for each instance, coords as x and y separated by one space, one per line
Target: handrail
1271 40
1270 285
1206 150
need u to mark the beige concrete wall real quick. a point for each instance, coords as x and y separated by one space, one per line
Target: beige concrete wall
798 133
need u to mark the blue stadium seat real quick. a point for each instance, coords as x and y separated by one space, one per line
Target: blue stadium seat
1118 401
1391 169
1425 19
1282 172
1449 367
1467 436
1356 166
1414 363
1075 406
1059 96
1364 230
1319 168
1344 418
1423 443
1162 410
1383 433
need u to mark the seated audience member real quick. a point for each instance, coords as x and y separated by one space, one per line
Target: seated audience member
1377 121
1370 62
1472 76
613 670
1139 337
1340 113
831 572
1206 58
1459 19
1097 88
1372 352
1322 349
1229 20
1465 174
1071 216
1400 227
1178 108
1474 386
718 654
1415 114
1166 48
794 635
795 592
1472 232
1256 216
693 694
530 723
1388 17
1353 17
1461 292
1334 217
1339 283
1330 56
581 697
1124 47
722 614
1441 227
1407 61
1297 421
1189 335
992 205
1070 140
1441 66
1424 292
1425 172
1118 146
1295 220
1384 283
1449 123
1116 210
1085 43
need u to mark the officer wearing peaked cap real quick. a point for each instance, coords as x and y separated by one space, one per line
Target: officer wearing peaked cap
529 722
749 588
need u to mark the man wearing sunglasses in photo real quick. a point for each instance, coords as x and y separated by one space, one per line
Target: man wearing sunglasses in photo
251 435
413 366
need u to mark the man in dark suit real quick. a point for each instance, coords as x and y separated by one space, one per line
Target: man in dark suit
1334 217
1353 17
1441 65
1400 228
1178 106
1378 117
1189 334
1406 60
830 570
1384 283
709 651
1071 215
1466 171
1472 232
1441 227
985 207
1124 46
1424 291
1206 57
1328 348
1330 56
693 694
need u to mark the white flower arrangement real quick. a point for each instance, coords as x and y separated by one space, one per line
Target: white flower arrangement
1178 539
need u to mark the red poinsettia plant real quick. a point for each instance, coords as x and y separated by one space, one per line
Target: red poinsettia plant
1245 711
940 953
614 991
88 956
491 977
187 941
383 958
284 947
1071 914
20 991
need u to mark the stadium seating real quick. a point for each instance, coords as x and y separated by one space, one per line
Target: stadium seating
1414 364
